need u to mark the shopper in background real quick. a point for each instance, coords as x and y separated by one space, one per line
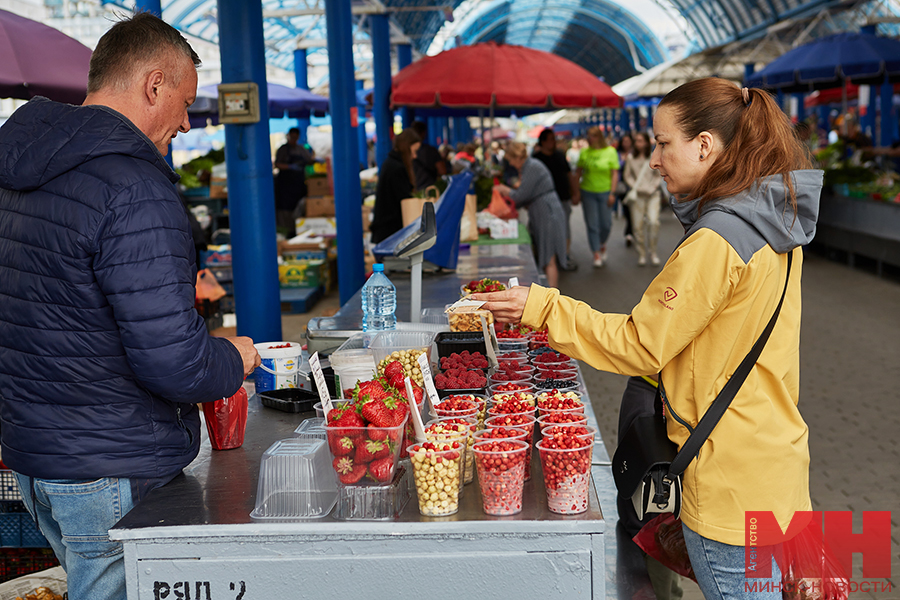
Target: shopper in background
290 183
747 197
624 147
537 193
644 199
555 161
103 357
428 166
396 182
598 172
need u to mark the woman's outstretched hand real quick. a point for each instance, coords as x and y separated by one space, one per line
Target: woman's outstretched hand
506 306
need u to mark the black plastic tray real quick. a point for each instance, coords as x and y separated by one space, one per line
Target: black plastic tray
449 342
465 392
291 400
330 382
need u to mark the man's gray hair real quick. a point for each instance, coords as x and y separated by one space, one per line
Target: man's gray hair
131 43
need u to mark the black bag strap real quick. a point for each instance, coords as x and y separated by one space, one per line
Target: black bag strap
717 409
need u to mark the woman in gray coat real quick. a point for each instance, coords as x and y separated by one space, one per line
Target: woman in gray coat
546 219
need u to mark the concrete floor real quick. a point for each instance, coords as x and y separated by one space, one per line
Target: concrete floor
850 371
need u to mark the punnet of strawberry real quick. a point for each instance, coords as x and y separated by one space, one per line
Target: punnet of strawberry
506 376
464 360
559 401
366 435
456 404
477 286
511 404
561 417
460 379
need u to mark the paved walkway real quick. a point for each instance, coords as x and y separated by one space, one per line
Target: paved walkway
850 373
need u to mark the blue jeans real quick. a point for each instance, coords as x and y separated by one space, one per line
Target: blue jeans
719 569
598 217
75 516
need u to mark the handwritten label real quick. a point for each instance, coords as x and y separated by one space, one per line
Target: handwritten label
489 342
513 282
464 306
414 411
431 391
321 386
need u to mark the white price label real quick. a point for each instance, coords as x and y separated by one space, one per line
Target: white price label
489 341
321 386
430 390
414 411
513 282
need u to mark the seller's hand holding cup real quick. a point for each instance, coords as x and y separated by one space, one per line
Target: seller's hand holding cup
506 306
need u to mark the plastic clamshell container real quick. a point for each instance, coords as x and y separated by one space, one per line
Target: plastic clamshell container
512 344
436 316
296 481
291 400
314 427
449 342
387 342
375 503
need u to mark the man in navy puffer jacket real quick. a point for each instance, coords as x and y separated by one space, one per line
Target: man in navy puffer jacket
102 355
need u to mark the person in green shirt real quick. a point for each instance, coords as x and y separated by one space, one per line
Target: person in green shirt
598 172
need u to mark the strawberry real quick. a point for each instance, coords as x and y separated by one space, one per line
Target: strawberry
394 368
348 471
370 450
340 445
382 469
375 433
377 413
396 381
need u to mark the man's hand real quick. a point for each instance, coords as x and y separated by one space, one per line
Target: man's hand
249 355
506 306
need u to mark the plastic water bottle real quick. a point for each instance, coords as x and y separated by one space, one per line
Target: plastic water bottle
379 301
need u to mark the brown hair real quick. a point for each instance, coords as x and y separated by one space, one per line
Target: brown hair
757 136
516 150
403 144
647 150
141 40
598 131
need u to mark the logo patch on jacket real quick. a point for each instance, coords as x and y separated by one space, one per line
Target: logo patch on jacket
668 295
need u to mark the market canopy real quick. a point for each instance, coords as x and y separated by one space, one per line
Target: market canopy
494 76
831 61
283 102
38 60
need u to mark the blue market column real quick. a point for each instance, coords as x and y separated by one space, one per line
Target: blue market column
404 59
868 121
251 192
301 81
888 116
347 192
381 69
361 129
801 108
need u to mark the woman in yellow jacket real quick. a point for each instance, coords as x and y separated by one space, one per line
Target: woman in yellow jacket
746 196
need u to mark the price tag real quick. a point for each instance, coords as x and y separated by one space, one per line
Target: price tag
489 342
321 386
513 282
414 411
430 390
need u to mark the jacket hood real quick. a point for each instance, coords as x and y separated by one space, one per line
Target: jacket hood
44 139
765 207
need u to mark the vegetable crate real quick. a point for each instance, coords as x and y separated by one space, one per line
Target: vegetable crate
15 562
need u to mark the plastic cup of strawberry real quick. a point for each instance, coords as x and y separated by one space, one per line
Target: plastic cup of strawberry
501 475
513 356
552 418
516 426
566 463
364 455
558 401
511 405
509 334
510 387
520 377
437 472
454 425
456 404
579 430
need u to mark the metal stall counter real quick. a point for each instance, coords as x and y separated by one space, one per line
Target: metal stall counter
194 538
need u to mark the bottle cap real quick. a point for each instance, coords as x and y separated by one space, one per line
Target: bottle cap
378 268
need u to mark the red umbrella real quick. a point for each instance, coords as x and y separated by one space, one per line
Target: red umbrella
38 60
492 75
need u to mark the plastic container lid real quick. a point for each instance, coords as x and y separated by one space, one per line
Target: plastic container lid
296 481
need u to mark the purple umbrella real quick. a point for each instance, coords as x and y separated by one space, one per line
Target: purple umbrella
284 101
38 60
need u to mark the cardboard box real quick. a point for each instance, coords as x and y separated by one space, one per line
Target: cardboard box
318 186
320 206
324 226
302 273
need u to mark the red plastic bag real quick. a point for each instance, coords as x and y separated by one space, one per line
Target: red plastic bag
663 539
810 570
226 420
502 207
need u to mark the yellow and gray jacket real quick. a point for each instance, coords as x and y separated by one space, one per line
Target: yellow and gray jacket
695 323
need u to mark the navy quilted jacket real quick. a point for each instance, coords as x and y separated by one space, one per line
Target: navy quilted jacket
102 354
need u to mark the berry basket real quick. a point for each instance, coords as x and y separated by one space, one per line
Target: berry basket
449 342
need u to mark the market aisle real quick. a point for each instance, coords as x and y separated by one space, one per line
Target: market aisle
850 352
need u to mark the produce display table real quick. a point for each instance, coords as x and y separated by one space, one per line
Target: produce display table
860 227
194 538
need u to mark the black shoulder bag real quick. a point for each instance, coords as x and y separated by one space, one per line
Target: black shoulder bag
648 467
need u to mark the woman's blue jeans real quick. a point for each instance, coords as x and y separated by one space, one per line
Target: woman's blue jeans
720 571
597 217
75 516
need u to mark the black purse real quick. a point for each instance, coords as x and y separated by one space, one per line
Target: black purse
647 466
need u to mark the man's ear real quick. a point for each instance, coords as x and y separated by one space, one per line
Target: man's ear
153 85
